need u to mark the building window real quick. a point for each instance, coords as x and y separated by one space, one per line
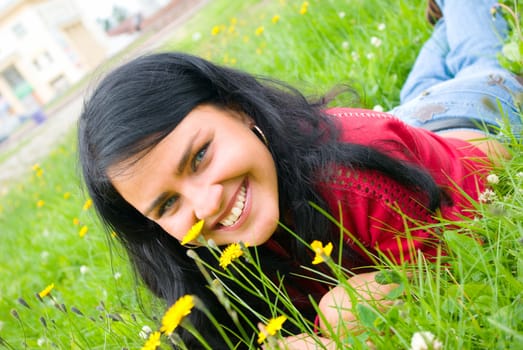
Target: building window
19 30
59 84
16 81
13 77
42 61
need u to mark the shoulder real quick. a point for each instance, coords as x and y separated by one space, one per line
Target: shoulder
363 116
366 126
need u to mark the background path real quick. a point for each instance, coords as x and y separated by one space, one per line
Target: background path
32 143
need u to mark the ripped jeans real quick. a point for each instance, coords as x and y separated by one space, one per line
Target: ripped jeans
457 81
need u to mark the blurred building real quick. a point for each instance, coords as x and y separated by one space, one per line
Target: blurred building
152 16
46 47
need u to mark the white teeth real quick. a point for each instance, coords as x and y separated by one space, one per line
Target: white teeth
237 209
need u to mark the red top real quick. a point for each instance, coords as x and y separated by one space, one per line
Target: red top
376 210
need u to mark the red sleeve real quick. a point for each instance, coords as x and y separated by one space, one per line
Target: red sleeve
380 214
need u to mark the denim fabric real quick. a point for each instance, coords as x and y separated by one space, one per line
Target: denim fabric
457 73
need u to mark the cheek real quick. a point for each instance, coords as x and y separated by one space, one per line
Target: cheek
173 228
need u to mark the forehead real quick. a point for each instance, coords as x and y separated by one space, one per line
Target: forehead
140 176
196 120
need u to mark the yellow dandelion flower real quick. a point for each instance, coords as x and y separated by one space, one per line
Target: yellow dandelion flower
36 166
174 316
234 20
273 326
40 173
46 291
67 195
152 342
83 231
233 61
275 19
193 233
304 8
40 203
320 251
215 30
88 204
259 31
76 221
229 254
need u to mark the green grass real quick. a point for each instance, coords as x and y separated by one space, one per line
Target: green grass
471 299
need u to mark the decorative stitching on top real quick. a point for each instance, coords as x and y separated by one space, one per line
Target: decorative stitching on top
369 114
372 184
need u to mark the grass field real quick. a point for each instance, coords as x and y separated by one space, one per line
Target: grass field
50 235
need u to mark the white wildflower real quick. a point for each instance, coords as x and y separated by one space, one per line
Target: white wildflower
41 341
425 341
345 45
341 14
487 196
196 36
492 179
355 56
117 275
144 333
377 108
375 41
84 269
44 255
370 56
520 175
381 26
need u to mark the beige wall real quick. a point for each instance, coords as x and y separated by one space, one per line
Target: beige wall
49 45
91 52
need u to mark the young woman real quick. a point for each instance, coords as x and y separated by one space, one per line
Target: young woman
170 139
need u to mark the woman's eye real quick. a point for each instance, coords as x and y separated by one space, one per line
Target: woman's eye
198 157
168 204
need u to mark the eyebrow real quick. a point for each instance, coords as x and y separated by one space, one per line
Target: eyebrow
181 166
159 200
186 154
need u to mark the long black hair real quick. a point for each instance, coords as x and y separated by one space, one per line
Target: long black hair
139 103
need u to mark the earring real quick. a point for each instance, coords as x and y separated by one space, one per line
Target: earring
256 129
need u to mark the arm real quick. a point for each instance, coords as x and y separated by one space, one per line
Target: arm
336 311
492 148
336 305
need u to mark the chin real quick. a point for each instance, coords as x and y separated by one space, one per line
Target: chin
259 239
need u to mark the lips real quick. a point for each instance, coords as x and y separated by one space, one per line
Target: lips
236 209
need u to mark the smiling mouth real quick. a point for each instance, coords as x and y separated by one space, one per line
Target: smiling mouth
237 208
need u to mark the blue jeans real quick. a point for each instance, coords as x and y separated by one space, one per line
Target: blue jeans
457 81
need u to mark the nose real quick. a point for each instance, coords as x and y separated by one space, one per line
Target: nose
207 201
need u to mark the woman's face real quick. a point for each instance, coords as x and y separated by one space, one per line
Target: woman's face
210 167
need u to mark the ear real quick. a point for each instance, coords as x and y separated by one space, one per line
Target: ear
244 118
